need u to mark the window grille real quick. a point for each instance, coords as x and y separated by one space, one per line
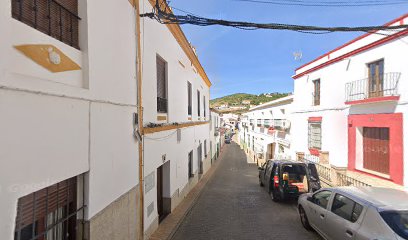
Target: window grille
58 19
198 103
315 135
51 213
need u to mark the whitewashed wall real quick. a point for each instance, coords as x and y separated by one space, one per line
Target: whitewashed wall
158 40
332 103
58 125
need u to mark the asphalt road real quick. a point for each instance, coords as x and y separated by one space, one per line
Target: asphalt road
233 206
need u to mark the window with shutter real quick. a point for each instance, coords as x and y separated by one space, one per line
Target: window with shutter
190 105
161 66
50 213
56 18
198 103
315 135
204 108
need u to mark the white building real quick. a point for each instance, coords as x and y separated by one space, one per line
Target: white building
265 130
175 93
229 120
215 135
350 105
67 148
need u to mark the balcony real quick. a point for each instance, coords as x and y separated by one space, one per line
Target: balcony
161 105
382 88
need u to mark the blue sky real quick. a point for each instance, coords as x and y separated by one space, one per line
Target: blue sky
262 60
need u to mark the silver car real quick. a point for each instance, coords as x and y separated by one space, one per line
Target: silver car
356 213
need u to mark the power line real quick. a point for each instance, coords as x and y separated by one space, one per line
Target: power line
326 4
167 17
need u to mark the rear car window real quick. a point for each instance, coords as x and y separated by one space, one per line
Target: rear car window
294 169
398 222
346 208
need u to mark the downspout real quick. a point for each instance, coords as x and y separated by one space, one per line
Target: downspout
140 120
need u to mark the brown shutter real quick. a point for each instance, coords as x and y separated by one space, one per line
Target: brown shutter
58 19
161 78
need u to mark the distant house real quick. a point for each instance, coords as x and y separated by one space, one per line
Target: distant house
246 102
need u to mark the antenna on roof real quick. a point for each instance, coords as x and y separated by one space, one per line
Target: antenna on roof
298 55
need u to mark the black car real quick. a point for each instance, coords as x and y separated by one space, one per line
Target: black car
285 179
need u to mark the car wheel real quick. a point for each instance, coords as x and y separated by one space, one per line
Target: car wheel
303 218
274 196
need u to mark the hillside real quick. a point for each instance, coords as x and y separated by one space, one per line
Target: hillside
238 98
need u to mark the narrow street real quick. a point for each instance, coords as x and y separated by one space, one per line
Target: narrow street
234 206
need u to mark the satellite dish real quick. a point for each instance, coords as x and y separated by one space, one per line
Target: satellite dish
298 55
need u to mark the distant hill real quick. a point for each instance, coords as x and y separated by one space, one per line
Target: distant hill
237 99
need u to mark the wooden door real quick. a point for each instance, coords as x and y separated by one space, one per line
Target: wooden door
271 150
376 155
160 193
376 79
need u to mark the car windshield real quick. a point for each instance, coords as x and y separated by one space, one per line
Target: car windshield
398 222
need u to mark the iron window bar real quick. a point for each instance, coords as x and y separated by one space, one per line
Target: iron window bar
361 89
161 105
31 17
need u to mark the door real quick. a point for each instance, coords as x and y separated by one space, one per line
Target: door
160 193
376 155
267 175
376 79
318 211
313 179
271 150
342 219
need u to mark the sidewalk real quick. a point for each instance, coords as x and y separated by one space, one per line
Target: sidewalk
171 223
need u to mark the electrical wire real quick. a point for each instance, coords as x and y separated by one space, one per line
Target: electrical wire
326 4
167 17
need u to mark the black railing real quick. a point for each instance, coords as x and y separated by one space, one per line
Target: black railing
49 17
386 85
161 105
190 110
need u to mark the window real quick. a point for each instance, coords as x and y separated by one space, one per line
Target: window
50 213
205 148
198 103
346 208
190 164
322 198
58 19
315 135
316 92
204 109
161 66
190 100
398 221
200 158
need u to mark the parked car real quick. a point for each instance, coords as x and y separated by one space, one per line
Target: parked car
284 179
228 140
358 213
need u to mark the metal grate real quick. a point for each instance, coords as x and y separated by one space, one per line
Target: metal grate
361 89
58 19
161 105
315 135
50 213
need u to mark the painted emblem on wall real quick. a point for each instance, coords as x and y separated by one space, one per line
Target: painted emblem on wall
49 57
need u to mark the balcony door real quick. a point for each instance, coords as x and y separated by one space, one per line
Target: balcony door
376 79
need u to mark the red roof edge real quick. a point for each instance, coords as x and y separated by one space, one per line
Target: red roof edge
350 42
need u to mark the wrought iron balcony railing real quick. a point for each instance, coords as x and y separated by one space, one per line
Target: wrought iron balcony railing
383 86
161 105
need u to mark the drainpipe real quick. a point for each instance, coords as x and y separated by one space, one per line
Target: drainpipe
140 114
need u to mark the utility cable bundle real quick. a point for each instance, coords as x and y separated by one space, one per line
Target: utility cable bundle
167 17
